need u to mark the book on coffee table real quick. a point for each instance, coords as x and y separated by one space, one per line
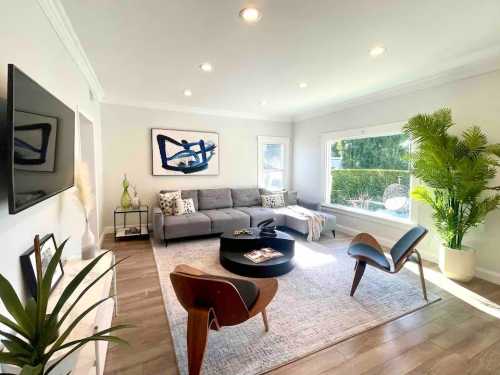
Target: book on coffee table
262 255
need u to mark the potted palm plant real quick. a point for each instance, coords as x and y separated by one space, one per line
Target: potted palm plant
37 342
456 172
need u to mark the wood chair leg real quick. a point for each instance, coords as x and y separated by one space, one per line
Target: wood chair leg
264 318
199 321
421 270
360 270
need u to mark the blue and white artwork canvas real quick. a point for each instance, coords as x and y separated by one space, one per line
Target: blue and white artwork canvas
184 152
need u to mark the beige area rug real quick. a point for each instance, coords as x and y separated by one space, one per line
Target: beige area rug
312 309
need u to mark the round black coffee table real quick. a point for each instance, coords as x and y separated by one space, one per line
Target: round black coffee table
233 248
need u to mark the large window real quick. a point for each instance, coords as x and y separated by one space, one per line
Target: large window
370 173
273 162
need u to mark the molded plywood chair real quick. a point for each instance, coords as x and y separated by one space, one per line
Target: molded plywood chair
215 301
366 250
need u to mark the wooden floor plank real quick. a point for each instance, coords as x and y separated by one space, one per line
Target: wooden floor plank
448 337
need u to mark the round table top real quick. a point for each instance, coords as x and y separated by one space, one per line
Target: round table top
256 234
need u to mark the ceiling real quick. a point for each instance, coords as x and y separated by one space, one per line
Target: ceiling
147 52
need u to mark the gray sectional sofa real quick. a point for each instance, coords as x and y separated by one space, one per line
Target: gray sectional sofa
225 210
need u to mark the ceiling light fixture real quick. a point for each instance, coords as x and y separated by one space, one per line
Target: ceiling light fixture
302 85
263 103
206 67
250 15
377 51
188 92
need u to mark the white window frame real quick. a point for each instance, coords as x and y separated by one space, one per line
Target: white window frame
326 179
263 140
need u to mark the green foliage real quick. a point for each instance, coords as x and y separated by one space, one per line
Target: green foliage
456 172
350 184
386 152
36 335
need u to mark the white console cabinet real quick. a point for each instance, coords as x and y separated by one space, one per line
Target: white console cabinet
91 358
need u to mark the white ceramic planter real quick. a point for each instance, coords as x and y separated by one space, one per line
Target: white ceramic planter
458 265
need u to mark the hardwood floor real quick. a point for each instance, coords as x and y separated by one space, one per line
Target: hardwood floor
448 337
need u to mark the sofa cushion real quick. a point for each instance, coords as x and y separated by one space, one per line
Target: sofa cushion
258 214
246 197
210 199
289 195
226 220
291 198
186 194
194 224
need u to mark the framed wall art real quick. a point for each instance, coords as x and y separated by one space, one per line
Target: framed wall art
184 152
48 248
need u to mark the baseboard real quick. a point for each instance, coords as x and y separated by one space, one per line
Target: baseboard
491 276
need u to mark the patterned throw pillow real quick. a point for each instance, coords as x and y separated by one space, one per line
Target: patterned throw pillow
167 202
273 200
184 206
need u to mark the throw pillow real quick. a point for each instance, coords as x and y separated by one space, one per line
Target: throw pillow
273 200
184 206
167 202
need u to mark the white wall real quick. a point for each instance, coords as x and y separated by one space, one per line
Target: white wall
473 101
28 41
127 149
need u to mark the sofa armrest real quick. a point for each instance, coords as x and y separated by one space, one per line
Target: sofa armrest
315 206
158 222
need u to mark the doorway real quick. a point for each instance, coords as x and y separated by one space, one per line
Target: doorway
87 155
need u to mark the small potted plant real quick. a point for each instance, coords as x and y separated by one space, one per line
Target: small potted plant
38 341
456 172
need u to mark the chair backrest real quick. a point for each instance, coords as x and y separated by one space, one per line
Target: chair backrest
405 245
209 291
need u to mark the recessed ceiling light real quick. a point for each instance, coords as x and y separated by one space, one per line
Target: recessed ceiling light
188 92
302 85
263 103
250 15
377 51
206 67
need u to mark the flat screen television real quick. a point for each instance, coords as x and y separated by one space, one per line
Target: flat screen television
41 142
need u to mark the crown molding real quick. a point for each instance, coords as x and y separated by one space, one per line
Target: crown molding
479 63
195 110
57 16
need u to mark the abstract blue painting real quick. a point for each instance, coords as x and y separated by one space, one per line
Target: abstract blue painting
184 152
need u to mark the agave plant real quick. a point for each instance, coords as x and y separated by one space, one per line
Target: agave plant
456 172
37 336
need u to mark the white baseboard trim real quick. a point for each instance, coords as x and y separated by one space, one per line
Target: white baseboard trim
491 276
481 273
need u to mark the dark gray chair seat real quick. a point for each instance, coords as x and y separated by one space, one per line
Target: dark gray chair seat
368 253
227 219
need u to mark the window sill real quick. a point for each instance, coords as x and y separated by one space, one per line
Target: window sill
370 216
